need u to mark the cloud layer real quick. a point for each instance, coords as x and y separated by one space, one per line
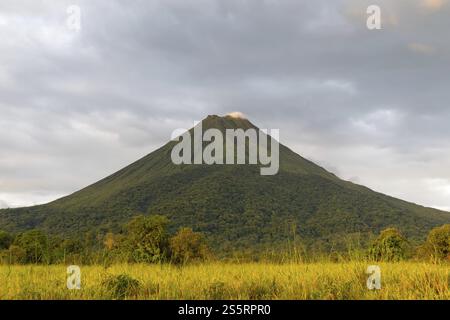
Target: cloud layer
371 106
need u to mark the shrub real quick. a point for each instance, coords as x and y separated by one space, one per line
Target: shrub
5 240
146 239
260 290
122 286
187 246
437 245
389 246
35 245
14 255
110 241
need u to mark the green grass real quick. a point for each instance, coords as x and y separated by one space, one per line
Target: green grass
403 280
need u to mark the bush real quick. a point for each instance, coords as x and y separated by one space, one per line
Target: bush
5 240
35 245
65 250
389 246
437 246
146 239
14 255
122 286
260 290
187 246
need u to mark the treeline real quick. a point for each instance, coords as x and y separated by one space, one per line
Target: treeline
145 239
388 246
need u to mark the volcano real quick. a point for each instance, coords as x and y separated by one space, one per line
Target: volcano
233 205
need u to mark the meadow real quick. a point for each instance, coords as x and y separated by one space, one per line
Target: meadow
325 280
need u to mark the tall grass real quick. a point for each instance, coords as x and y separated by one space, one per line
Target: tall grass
318 280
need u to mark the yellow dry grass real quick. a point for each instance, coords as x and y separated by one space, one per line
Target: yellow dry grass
403 280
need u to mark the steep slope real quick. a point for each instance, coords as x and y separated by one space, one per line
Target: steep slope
233 204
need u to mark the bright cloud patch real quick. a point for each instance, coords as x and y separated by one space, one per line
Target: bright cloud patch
237 115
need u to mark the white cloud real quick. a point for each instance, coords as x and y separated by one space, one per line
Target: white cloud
439 185
237 115
378 122
3 204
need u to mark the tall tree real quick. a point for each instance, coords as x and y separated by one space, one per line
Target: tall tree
5 240
146 238
438 242
35 245
390 245
187 246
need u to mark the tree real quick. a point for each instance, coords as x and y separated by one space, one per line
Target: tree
146 239
438 243
389 246
187 246
5 240
110 241
64 251
35 245
15 255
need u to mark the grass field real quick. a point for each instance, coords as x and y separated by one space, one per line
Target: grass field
404 280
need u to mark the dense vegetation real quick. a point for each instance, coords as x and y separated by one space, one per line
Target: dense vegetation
144 261
145 239
233 206
142 240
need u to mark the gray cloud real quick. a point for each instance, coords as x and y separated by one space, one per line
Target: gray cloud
3 204
368 104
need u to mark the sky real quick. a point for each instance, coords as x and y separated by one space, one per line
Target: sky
371 106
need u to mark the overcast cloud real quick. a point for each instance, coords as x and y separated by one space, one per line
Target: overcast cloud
371 106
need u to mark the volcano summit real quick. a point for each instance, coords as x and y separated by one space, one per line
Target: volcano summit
234 141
